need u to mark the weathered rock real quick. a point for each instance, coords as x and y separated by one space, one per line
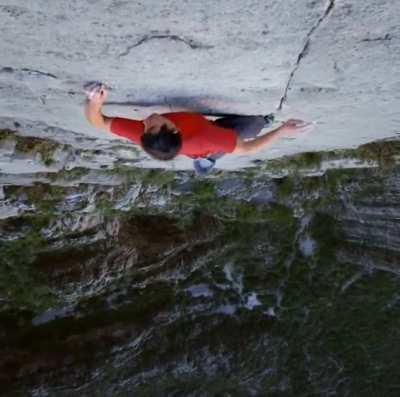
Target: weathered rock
280 279
115 296
327 61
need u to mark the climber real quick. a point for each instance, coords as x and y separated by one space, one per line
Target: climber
165 136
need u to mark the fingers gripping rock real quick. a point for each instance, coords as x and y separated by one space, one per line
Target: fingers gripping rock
93 87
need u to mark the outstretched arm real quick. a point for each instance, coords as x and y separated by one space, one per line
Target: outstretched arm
93 109
289 128
95 116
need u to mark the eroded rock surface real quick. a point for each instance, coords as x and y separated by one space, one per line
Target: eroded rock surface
333 62
278 279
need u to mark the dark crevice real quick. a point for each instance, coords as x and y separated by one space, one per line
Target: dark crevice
194 45
8 69
304 51
39 72
386 37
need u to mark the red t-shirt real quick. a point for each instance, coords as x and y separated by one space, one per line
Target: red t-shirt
200 137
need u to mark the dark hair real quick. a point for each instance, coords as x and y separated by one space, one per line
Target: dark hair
163 145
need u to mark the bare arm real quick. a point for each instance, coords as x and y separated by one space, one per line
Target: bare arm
93 110
289 128
95 116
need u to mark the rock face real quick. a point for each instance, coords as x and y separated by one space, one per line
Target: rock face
333 62
278 279
141 282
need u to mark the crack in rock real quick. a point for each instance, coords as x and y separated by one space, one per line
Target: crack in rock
304 51
194 45
8 69
387 37
39 72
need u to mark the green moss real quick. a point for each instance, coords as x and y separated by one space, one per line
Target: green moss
279 214
332 324
203 200
159 178
133 175
245 212
309 160
144 305
312 184
286 187
32 145
39 193
20 282
46 151
382 152
346 327
324 230
43 196
385 153
247 175
6 135
40 220
70 175
106 207
44 147
300 162
204 192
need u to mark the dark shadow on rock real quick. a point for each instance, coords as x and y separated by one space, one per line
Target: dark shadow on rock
196 104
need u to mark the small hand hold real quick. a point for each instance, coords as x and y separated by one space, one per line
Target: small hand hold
92 88
96 92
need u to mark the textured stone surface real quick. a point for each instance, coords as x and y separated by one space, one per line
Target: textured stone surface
221 56
349 78
282 279
150 287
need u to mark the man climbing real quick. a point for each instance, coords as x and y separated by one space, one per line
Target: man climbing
165 136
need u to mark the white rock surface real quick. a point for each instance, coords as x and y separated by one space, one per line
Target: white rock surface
340 61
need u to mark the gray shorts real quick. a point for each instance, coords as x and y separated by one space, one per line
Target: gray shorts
245 126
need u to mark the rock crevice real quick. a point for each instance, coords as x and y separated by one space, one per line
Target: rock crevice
304 51
194 45
9 69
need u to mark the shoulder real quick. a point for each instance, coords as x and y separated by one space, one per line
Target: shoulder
127 128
